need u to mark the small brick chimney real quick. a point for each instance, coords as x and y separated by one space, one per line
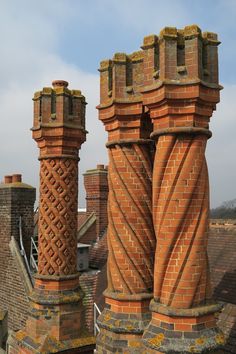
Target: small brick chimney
96 185
16 200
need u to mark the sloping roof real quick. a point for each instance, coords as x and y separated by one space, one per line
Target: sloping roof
222 257
82 216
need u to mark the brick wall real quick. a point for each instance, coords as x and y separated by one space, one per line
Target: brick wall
16 199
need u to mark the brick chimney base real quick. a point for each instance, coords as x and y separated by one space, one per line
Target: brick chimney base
55 323
122 323
183 330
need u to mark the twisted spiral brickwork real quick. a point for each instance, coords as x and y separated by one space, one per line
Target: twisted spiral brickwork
180 213
131 239
58 217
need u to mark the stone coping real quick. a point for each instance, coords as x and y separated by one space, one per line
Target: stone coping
181 130
58 156
16 185
187 82
134 323
56 277
128 141
127 297
59 125
45 297
191 312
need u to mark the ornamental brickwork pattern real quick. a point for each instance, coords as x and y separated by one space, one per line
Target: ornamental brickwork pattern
180 213
131 239
58 217
167 93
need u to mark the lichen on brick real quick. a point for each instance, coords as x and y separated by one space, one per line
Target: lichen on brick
157 340
200 341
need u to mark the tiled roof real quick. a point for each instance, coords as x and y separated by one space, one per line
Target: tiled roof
82 216
222 257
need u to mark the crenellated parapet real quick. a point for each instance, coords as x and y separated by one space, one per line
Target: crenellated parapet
49 101
121 81
121 78
63 110
180 55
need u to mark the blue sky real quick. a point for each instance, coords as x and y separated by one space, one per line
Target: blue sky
66 39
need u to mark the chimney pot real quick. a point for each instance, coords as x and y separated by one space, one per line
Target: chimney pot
16 178
100 167
7 179
59 83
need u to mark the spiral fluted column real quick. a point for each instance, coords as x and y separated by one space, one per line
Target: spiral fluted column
130 235
180 214
130 230
180 105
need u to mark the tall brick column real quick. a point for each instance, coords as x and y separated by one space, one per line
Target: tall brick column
181 91
131 239
55 322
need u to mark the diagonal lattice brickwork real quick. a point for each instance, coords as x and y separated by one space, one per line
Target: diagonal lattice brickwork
58 217
56 320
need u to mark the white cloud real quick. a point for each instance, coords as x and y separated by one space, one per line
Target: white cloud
221 151
29 62
31 40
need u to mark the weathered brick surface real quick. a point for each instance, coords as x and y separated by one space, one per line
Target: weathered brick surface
167 91
16 199
131 243
180 109
58 216
180 190
56 315
130 235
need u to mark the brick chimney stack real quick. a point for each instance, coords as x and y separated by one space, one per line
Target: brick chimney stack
131 238
96 186
59 130
181 91
166 92
16 201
